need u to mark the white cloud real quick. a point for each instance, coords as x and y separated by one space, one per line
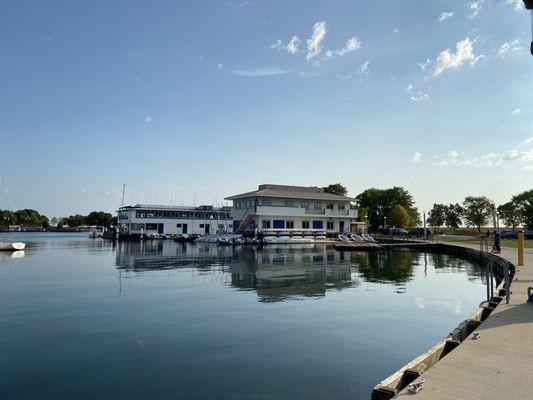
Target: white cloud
449 158
509 47
351 45
363 68
445 15
417 158
518 4
448 60
395 30
528 140
220 65
475 7
314 43
259 72
292 47
424 65
410 87
516 111
148 119
528 167
420 96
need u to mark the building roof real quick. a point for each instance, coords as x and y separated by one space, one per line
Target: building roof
293 192
172 208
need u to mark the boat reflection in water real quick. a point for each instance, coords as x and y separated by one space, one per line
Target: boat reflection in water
12 254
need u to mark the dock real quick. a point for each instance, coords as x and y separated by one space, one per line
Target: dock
354 246
495 361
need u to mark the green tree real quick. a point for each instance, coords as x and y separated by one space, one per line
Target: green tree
477 211
398 217
336 188
99 218
437 215
30 218
7 218
525 201
510 213
75 221
380 202
362 214
453 215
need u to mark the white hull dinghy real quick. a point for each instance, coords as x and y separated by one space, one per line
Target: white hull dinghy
6 246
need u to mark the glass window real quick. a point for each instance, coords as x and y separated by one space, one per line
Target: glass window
305 224
329 206
266 224
178 225
330 225
151 227
289 224
342 206
318 205
289 203
305 204
266 202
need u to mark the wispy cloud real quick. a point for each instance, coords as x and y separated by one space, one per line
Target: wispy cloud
448 60
292 47
517 4
475 7
509 47
314 43
419 96
260 72
363 68
516 111
417 158
148 119
485 160
425 65
351 45
395 30
528 140
445 15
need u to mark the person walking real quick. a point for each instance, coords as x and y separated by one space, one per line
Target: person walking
496 247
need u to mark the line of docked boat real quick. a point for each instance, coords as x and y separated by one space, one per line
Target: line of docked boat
12 246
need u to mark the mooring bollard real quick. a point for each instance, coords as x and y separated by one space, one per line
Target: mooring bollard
521 248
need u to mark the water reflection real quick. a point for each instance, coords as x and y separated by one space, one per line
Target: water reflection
278 273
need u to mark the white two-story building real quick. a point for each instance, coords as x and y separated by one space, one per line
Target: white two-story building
143 219
280 207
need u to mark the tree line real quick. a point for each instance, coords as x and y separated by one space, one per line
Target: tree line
478 211
33 219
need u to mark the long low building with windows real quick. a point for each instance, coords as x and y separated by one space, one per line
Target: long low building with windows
292 208
142 219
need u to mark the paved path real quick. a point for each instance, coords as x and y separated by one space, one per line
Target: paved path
499 365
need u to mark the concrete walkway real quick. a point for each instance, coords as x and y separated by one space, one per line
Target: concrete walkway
498 365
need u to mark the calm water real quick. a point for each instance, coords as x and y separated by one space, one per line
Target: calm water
81 319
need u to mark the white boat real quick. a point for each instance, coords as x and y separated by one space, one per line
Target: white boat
343 238
6 246
357 238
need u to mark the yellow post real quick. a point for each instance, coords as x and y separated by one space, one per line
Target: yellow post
521 248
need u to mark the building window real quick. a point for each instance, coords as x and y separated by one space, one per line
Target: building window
289 203
329 206
266 224
330 225
137 227
318 206
342 206
151 227
178 225
305 224
266 202
318 224
202 225
289 224
305 204
279 224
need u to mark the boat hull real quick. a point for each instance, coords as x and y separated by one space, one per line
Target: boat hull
5 246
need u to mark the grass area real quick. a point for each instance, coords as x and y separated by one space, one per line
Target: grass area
509 243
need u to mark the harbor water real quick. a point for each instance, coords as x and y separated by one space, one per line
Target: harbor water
82 318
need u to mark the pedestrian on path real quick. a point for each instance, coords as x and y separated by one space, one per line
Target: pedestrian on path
496 247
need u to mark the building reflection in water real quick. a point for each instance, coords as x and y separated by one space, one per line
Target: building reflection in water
281 272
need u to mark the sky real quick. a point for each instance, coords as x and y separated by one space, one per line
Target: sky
188 102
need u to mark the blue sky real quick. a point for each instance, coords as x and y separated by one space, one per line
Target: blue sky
207 99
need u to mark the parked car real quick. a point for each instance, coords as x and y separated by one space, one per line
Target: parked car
419 232
398 232
509 234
